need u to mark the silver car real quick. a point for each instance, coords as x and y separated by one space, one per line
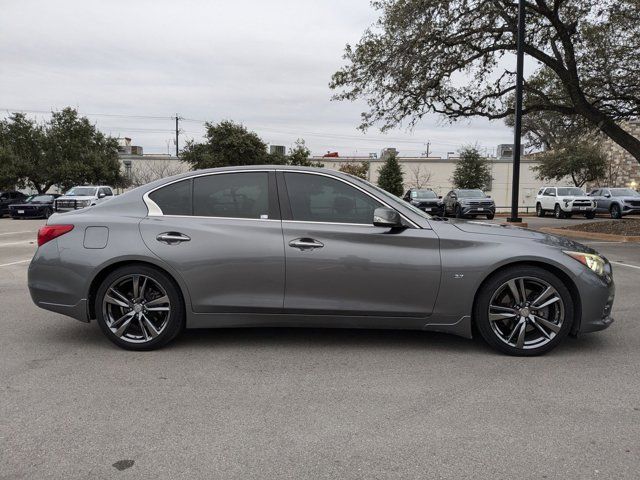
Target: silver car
287 246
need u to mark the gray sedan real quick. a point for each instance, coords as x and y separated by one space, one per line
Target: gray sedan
287 246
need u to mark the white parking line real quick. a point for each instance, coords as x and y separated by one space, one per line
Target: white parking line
626 265
16 233
23 242
14 263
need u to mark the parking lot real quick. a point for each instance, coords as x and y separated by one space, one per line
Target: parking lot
306 403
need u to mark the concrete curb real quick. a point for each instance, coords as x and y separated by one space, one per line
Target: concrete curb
590 235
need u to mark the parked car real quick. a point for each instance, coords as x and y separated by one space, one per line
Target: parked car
617 202
469 203
35 206
298 246
9 198
82 197
426 200
564 202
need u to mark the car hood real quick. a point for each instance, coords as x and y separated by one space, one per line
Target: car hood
485 228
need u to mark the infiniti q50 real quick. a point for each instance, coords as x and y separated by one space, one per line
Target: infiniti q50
287 246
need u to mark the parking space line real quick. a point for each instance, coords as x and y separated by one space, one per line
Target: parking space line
14 263
22 242
626 265
16 233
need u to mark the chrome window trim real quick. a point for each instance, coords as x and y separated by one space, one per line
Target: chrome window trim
153 210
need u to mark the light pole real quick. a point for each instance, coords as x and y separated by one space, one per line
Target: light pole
517 131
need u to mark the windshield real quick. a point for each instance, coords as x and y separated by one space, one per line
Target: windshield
81 192
423 194
393 199
41 199
624 192
471 194
563 192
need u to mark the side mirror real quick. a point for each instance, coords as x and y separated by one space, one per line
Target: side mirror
102 195
607 195
385 217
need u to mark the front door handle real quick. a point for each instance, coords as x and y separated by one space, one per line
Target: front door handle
305 243
172 237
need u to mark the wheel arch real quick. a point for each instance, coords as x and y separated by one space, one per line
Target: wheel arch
569 283
107 269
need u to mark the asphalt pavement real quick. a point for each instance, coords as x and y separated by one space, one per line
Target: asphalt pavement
308 403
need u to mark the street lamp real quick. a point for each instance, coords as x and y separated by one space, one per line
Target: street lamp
517 131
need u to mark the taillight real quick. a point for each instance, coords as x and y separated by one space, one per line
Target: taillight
49 232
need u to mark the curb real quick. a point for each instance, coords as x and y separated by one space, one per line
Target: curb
590 235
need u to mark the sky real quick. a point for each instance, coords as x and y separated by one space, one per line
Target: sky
264 63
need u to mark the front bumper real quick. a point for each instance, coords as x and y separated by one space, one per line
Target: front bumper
630 210
597 297
36 213
477 210
577 209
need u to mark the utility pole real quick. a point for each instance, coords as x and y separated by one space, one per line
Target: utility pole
177 134
428 144
517 131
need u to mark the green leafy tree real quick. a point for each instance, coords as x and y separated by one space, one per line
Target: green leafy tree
390 176
472 170
356 169
65 151
226 144
583 161
409 63
300 155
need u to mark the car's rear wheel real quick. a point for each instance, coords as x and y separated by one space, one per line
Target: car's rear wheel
139 308
524 311
615 211
539 210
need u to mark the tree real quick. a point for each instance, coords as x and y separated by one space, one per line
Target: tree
147 171
356 169
582 161
472 170
65 151
585 53
418 178
227 143
390 176
299 155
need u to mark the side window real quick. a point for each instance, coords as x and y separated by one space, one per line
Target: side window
174 199
549 192
108 192
235 195
101 191
541 191
316 198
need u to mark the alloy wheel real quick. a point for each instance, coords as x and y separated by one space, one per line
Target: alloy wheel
136 308
526 312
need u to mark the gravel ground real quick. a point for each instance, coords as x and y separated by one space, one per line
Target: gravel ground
623 226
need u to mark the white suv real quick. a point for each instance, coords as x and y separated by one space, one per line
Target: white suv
81 197
564 202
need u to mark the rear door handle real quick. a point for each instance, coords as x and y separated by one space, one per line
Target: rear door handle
172 237
305 243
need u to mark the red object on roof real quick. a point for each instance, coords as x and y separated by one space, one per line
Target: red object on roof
331 154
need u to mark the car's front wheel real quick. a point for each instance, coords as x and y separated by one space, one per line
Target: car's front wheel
139 308
557 212
523 311
615 211
539 210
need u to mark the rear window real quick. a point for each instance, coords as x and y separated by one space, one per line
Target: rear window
174 199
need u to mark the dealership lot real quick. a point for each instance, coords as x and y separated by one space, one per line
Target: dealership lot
304 403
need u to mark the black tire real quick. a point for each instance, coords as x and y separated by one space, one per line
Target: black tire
557 212
590 215
175 323
540 212
493 283
490 216
615 211
459 212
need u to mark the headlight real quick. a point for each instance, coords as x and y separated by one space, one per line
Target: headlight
592 261
85 203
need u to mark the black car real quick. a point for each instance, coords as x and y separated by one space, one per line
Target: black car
9 198
37 206
469 203
426 200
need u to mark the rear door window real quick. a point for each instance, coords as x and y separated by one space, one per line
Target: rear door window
232 195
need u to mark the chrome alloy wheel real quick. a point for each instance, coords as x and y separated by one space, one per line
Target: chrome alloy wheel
526 312
136 308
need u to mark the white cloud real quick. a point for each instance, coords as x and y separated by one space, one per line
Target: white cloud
265 63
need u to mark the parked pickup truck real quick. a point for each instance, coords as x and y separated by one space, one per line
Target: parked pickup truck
83 196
